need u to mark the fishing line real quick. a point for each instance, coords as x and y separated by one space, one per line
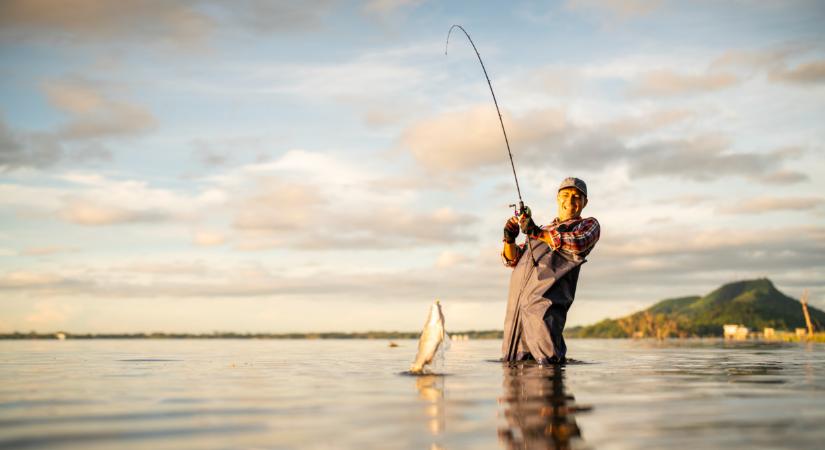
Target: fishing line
500 120
528 272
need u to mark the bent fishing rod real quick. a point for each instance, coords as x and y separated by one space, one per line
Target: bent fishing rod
521 208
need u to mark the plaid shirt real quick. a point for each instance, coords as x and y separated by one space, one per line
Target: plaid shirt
575 236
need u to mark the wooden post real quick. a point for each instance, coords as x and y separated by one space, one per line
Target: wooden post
804 301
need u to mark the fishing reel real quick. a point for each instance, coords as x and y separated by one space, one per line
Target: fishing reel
519 209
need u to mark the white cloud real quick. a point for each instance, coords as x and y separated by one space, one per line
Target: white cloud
761 205
668 82
28 279
705 158
805 73
384 7
638 124
775 62
205 238
184 25
450 258
472 138
95 200
615 8
94 114
46 251
86 212
100 19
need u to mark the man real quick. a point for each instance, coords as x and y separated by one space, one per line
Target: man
546 270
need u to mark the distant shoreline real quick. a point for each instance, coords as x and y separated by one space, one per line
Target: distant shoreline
374 335
59 335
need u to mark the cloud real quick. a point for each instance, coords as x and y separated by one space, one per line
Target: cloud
667 82
28 279
364 80
472 138
387 7
154 280
93 114
367 228
784 177
612 8
448 258
27 149
395 227
381 116
40 284
702 158
625 265
102 20
267 16
770 204
469 140
277 205
636 125
93 117
214 153
754 61
302 200
692 260
88 212
46 251
183 24
208 238
775 64
95 200
557 81
314 201
687 200
806 73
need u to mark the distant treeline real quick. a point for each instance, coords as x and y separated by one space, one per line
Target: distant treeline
755 304
472 334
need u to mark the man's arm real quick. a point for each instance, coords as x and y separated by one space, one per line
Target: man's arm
577 240
511 252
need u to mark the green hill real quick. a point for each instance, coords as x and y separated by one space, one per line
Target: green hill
754 303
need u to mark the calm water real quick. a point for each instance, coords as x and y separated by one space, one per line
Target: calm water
349 394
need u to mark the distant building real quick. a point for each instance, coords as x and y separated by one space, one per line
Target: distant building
738 332
769 333
60 336
801 332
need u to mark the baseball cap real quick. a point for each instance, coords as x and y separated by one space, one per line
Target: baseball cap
574 182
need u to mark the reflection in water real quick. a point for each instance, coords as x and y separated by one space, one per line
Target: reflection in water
539 413
431 390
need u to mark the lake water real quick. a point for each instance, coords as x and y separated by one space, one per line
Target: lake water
344 394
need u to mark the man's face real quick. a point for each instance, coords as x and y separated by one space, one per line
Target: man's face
571 203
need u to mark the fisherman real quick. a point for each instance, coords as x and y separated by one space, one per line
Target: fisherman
546 270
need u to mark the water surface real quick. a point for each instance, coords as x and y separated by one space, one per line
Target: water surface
321 394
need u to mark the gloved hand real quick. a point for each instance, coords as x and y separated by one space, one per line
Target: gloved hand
511 230
525 221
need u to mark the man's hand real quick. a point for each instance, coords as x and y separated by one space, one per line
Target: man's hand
511 230
527 225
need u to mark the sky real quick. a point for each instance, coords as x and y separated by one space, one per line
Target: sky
279 166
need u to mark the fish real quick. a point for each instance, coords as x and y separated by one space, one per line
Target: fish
431 338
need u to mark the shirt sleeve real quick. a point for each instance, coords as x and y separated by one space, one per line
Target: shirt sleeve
578 239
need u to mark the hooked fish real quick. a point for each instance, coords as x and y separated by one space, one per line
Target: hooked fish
431 338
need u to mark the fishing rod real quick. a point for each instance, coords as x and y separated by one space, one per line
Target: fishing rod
521 208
